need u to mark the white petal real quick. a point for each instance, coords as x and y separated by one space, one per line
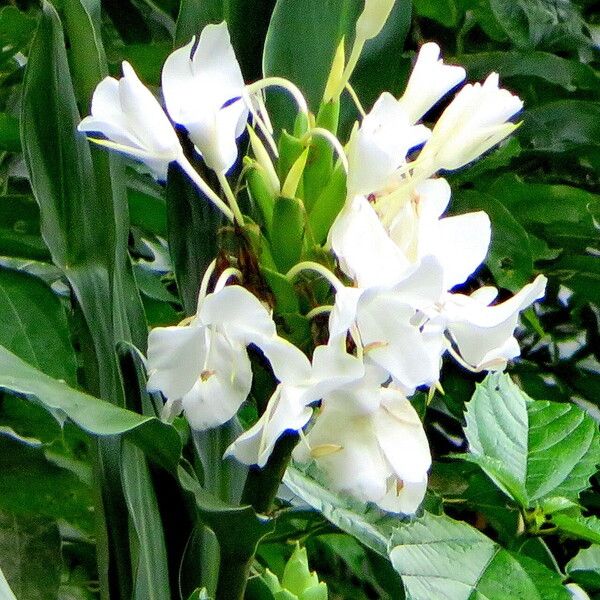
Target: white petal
214 136
215 62
175 358
401 437
380 146
365 251
202 93
145 115
393 343
429 82
238 312
283 413
480 330
358 467
216 397
344 310
404 497
290 365
178 87
461 244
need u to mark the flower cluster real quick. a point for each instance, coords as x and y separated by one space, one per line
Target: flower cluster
395 311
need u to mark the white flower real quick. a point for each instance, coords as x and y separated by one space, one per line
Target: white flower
373 18
379 147
205 364
430 80
364 249
127 113
369 442
473 122
301 384
380 250
203 89
484 332
460 243
385 322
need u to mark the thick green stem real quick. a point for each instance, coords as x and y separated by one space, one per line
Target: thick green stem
262 484
233 576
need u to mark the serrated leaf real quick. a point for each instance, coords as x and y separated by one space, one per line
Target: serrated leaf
428 551
531 449
585 528
371 526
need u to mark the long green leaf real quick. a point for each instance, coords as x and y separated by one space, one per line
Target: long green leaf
76 225
98 417
33 324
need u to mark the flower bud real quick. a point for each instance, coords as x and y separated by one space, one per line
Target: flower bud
373 18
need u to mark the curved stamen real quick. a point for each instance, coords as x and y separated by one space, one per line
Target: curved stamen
309 265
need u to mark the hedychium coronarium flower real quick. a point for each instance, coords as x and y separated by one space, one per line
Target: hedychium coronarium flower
415 263
133 122
202 365
301 383
369 443
203 88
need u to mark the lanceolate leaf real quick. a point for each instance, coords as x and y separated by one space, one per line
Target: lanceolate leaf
76 224
33 324
98 417
438 557
531 449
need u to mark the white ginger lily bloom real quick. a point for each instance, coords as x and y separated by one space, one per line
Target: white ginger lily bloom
484 332
369 442
203 89
375 253
378 148
460 243
300 384
429 81
205 365
473 122
385 323
132 120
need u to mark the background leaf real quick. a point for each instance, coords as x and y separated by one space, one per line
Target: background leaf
95 416
531 449
427 551
33 324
